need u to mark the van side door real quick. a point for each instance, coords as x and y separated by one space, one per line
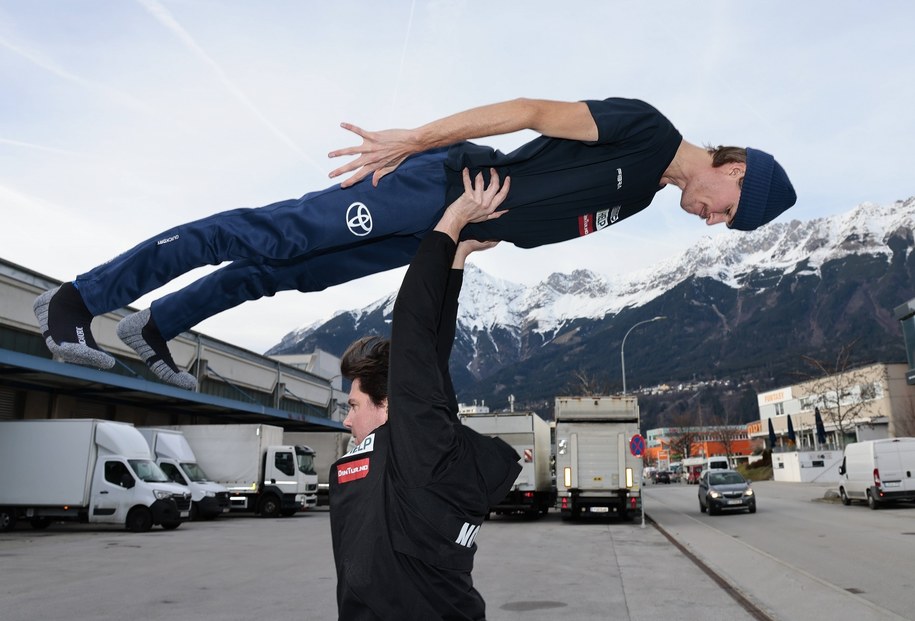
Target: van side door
112 491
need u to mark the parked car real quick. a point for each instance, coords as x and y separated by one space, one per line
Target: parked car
725 490
662 476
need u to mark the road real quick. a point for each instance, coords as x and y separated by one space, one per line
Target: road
796 558
801 556
243 568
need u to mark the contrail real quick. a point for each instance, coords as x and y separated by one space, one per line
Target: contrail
38 147
403 60
50 67
166 19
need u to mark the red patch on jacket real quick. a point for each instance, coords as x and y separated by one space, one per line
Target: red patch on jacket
353 470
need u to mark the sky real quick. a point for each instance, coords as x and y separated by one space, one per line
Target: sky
122 118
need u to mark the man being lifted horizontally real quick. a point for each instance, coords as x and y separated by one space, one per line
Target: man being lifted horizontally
596 163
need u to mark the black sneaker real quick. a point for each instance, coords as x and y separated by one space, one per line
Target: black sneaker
141 334
65 324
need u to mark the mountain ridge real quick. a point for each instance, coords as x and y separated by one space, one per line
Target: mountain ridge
744 306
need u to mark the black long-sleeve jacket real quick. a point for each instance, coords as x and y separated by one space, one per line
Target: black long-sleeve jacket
407 503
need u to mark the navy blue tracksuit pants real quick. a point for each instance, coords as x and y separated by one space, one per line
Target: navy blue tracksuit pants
319 240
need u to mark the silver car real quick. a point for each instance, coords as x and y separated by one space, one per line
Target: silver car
725 490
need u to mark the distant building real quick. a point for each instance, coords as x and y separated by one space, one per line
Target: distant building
464 408
905 313
865 403
664 444
875 400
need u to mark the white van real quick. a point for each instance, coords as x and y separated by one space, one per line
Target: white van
878 471
717 462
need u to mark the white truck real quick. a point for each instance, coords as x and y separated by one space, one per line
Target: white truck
532 493
596 472
328 447
262 474
878 471
174 456
84 470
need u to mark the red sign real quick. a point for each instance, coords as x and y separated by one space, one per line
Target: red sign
637 445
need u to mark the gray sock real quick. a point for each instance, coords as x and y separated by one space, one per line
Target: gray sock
140 333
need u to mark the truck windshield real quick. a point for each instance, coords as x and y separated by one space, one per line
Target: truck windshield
148 471
194 472
306 459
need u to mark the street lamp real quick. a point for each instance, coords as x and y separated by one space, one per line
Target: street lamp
623 345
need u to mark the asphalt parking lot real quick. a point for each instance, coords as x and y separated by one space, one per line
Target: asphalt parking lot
242 567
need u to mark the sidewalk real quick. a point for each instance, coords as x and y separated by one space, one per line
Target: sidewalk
592 570
779 589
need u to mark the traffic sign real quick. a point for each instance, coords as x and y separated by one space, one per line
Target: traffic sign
637 445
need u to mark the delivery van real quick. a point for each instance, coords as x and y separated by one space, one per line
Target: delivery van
878 471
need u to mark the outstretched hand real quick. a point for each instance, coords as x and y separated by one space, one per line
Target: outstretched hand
379 154
467 247
476 204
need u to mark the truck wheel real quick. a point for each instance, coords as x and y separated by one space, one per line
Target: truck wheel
269 506
871 501
845 499
170 525
40 523
7 519
139 520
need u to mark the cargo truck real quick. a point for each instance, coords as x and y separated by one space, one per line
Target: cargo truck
532 493
84 470
263 475
596 472
328 447
176 459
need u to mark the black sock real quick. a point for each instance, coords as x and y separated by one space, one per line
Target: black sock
154 339
69 320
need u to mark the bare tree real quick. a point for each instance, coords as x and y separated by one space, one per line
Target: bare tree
839 391
725 435
684 434
586 384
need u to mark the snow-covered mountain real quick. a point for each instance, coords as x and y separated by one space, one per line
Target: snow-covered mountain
737 260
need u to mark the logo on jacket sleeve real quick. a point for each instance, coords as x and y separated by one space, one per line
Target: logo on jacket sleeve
353 470
359 219
468 534
366 446
591 222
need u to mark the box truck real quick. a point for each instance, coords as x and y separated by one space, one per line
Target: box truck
174 456
262 474
84 470
878 471
532 493
595 470
328 447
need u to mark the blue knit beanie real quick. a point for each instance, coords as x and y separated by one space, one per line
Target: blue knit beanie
766 192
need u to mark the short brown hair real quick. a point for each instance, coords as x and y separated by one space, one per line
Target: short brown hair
726 155
367 360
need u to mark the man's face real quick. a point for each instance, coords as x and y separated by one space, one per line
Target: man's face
364 416
714 194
